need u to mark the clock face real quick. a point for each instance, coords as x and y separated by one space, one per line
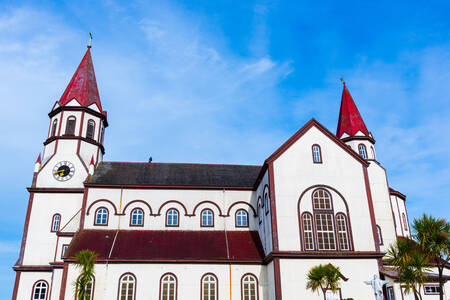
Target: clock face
63 170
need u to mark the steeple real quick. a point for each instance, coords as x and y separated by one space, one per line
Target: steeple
83 85
350 121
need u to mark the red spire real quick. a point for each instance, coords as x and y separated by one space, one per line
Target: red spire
83 86
92 160
38 159
350 120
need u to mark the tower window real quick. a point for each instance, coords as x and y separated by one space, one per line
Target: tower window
168 287
101 216
209 287
137 217
362 151
54 126
39 290
266 203
380 237
241 218
317 154
249 287
127 287
172 217
373 152
405 222
90 129
56 221
70 126
207 218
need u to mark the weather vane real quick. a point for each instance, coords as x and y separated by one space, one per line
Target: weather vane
342 79
90 40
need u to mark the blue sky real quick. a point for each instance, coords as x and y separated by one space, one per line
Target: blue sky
228 82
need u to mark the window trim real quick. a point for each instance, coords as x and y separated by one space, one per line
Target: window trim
201 285
235 219
161 282
320 154
242 285
92 288
95 217
266 196
131 217
379 235
74 125
349 245
46 289
53 221
120 281
405 222
54 127
340 292
372 149
387 292
313 224
178 217
431 285
201 217
62 250
365 151
93 129
260 210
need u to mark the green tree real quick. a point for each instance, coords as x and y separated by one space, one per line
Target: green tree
411 264
433 237
324 277
84 259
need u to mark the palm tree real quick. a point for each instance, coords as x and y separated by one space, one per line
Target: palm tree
84 259
433 237
411 264
325 277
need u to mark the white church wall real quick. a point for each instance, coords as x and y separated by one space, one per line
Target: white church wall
86 152
295 172
265 227
27 281
399 208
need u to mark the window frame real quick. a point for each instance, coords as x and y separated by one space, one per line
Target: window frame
320 154
338 242
390 288
161 285
64 248
216 297
131 217
167 217
436 286
34 288
212 217
256 286
339 289
405 222
312 231
69 118
379 235
236 218
374 156
266 201
107 216
92 288
53 223
119 289
93 129
54 127
365 151
260 210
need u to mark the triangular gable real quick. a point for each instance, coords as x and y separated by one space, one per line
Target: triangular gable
73 102
305 129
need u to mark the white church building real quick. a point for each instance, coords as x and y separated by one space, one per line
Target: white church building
171 231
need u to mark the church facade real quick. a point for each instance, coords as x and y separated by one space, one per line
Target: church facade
187 231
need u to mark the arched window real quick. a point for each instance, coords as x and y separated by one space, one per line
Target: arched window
405 222
317 154
249 287
308 234
40 290
102 135
241 218
101 216
90 129
127 287
362 151
209 287
321 200
373 152
266 203
70 126
207 218
54 126
341 224
380 237
89 288
323 217
172 217
137 217
168 287
260 211
56 221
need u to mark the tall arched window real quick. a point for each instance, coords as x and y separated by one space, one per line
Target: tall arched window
172 217
373 152
54 126
168 287
40 290
341 224
56 221
101 216
137 217
260 210
70 126
317 154
405 222
249 285
127 287
308 234
90 129
380 237
241 218
207 218
209 287
266 202
89 288
323 217
362 151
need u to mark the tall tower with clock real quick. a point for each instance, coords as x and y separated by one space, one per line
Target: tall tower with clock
73 147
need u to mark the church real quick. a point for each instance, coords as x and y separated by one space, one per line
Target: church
172 231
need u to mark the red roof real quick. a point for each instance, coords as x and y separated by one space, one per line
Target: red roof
169 245
83 86
350 120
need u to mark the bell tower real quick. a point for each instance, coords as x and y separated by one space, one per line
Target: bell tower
76 131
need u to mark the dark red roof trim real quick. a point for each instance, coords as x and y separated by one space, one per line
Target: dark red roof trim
397 193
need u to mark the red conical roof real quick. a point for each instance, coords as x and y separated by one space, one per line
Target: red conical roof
83 86
350 120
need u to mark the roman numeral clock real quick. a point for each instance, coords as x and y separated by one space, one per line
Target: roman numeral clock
63 170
